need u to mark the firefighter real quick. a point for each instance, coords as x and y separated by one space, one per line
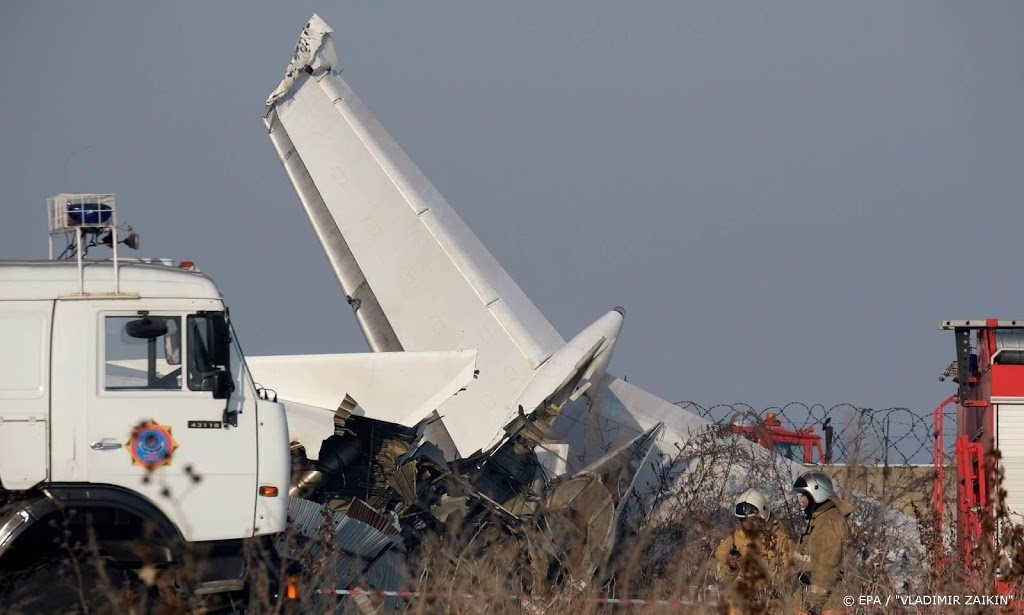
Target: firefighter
749 560
818 557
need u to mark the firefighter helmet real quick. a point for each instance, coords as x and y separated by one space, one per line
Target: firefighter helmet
752 502
815 484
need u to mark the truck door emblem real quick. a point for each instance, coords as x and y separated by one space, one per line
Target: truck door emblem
151 445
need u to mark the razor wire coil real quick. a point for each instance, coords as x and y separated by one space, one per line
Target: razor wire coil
896 435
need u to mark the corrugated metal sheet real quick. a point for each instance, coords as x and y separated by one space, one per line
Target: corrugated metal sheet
305 517
360 539
351 535
361 511
367 550
388 571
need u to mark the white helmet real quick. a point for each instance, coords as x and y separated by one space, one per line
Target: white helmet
816 484
752 502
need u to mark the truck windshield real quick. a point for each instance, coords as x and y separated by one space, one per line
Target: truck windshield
243 379
791 451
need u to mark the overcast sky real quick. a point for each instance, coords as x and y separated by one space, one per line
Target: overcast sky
786 196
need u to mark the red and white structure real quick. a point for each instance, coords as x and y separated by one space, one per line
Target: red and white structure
989 371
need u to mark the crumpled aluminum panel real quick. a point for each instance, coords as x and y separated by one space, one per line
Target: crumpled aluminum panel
362 555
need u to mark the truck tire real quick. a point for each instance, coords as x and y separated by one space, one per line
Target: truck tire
54 588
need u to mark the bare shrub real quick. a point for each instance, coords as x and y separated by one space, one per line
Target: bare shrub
665 539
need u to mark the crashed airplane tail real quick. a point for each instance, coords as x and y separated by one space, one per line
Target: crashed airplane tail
419 281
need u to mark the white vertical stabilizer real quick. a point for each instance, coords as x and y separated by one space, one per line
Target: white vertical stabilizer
416 276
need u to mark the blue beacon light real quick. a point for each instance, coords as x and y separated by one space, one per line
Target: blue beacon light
89 214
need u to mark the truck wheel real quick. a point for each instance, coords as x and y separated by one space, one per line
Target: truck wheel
54 588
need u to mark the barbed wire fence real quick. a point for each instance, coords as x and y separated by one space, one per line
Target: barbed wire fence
870 436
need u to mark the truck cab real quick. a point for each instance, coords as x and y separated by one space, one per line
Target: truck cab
128 415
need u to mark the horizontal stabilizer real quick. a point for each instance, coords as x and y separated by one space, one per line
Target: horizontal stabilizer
396 387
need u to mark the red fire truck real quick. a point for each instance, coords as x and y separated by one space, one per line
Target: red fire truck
989 372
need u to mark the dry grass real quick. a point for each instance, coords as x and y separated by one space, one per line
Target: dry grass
661 551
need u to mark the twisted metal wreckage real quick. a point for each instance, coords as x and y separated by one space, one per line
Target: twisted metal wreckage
470 404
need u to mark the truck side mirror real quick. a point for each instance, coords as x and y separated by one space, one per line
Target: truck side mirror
223 384
219 337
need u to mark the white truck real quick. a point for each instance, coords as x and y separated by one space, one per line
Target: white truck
130 427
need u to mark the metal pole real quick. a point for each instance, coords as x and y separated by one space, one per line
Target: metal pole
151 362
885 468
113 237
938 489
78 251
